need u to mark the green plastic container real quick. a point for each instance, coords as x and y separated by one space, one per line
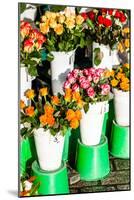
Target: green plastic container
119 142
66 146
54 182
27 154
43 55
92 162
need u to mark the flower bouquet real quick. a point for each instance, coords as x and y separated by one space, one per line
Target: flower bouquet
93 87
120 82
48 119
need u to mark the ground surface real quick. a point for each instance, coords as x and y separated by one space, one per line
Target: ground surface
117 180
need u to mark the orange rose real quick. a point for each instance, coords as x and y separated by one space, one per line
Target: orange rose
74 123
124 86
78 114
22 104
30 94
49 110
80 103
114 82
29 111
120 75
76 96
59 29
43 91
126 65
79 20
55 100
43 119
127 43
44 28
68 94
50 120
70 114
107 73
125 80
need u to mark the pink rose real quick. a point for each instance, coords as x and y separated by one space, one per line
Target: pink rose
71 79
75 87
82 78
105 89
91 71
85 84
75 73
90 92
96 78
99 71
66 85
89 77
85 72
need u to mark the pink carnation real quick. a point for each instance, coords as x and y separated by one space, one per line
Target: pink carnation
99 71
89 77
82 78
85 72
90 92
105 89
91 71
75 87
85 84
96 78
66 85
71 79
75 73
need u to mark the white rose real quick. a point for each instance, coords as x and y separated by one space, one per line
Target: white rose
27 185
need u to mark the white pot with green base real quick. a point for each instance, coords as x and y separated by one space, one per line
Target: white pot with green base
121 106
49 149
91 123
102 57
62 64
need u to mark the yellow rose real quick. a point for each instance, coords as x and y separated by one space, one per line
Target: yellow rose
126 30
30 94
70 23
44 28
124 86
114 82
120 48
125 80
61 19
43 18
59 29
43 91
127 43
79 20
48 14
53 23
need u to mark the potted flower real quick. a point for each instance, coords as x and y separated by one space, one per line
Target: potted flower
94 90
104 29
49 118
31 41
64 33
120 82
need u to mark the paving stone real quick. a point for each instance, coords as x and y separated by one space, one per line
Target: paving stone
82 184
117 177
73 191
86 190
111 165
123 187
122 164
103 188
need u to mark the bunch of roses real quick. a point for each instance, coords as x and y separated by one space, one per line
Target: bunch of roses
31 38
120 77
105 25
124 44
89 82
49 112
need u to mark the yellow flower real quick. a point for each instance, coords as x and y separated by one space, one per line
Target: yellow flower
43 18
48 14
112 73
61 19
127 43
49 110
43 91
78 114
80 103
74 123
59 29
22 104
68 94
114 82
53 23
120 48
125 79
120 75
76 96
44 28
107 73
30 94
70 23
55 100
43 119
126 30
126 65
79 20
29 111
124 86
70 114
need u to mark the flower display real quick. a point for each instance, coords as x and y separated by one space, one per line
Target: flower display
120 77
31 45
89 85
56 113
105 25
63 30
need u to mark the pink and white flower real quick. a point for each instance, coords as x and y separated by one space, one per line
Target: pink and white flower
105 89
71 79
75 73
86 72
66 85
96 78
75 87
90 92
81 79
89 77
85 84
91 71
99 71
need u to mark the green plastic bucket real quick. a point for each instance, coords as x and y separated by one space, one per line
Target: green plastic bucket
54 182
66 146
119 142
92 162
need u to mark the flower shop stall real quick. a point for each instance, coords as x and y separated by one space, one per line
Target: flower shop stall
72 115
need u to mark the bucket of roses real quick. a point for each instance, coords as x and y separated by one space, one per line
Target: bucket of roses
120 82
104 29
31 41
49 117
64 33
94 89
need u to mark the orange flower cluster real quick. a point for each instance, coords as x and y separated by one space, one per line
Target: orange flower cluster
43 91
47 118
55 100
30 111
22 104
73 117
30 94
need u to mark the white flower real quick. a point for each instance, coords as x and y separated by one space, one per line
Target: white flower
117 22
27 125
27 185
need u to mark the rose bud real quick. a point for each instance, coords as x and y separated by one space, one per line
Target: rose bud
91 15
75 87
85 84
66 85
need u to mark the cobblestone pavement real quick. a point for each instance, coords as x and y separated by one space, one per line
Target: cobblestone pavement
117 180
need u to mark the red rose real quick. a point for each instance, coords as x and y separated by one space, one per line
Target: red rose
84 15
91 15
122 17
110 11
107 22
104 10
28 45
100 19
117 14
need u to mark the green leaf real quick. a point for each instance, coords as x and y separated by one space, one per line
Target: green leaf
50 57
86 107
97 61
32 70
82 42
97 50
90 23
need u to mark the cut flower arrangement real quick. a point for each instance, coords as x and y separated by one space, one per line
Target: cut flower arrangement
105 25
30 48
55 113
63 30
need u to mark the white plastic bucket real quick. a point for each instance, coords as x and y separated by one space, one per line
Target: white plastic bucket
62 64
121 105
49 149
29 13
92 122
